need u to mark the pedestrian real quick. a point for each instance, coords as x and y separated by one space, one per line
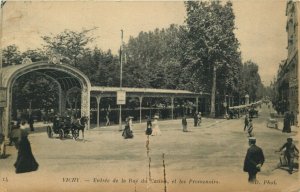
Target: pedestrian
155 130
195 119
199 119
184 124
107 118
127 133
289 153
286 123
130 122
254 160
43 112
149 126
250 128
246 122
13 137
31 122
2 146
292 118
25 160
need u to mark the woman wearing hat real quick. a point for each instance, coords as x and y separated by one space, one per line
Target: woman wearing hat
149 126
184 124
155 130
25 160
127 133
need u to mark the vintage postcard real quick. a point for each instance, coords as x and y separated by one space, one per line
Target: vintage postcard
149 96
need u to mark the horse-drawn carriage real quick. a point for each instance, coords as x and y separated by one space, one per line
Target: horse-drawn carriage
64 125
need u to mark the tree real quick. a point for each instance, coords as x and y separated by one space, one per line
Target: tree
11 56
212 48
153 59
101 67
35 55
35 91
69 44
252 84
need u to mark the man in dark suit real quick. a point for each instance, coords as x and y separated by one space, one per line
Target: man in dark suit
246 122
254 160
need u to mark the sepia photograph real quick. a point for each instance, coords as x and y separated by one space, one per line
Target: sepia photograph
149 96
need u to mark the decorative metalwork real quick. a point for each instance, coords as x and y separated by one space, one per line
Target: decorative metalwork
85 102
54 58
26 60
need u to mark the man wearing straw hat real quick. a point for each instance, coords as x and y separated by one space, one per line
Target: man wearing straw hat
254 160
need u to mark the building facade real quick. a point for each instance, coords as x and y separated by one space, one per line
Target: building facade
287 77
292 61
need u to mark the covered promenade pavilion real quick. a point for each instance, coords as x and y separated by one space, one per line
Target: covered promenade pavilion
67 78
141 93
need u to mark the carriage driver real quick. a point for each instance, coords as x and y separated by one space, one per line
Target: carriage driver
76 122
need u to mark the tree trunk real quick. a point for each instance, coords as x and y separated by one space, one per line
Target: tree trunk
213 94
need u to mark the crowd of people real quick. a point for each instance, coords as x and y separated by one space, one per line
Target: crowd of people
253 162
152 127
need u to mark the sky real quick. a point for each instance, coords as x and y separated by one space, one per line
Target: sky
260 24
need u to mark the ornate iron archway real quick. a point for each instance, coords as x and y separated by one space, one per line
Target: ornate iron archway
66 76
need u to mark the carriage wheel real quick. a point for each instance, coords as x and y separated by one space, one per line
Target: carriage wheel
61 134
49 132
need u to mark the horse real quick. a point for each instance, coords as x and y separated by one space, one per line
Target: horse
79 125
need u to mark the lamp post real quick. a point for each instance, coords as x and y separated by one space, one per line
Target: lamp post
1 28
2 124
121 76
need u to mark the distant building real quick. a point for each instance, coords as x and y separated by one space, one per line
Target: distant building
287 77
292 29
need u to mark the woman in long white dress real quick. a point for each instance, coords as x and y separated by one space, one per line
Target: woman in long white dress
155 127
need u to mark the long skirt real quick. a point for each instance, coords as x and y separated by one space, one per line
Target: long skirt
25 160
286 126
149 131
127 133
156 131
184 127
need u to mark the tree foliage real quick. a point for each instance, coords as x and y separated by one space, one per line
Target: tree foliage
69 44
211 42
252 84
35 90
11 55
177 57
152 59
